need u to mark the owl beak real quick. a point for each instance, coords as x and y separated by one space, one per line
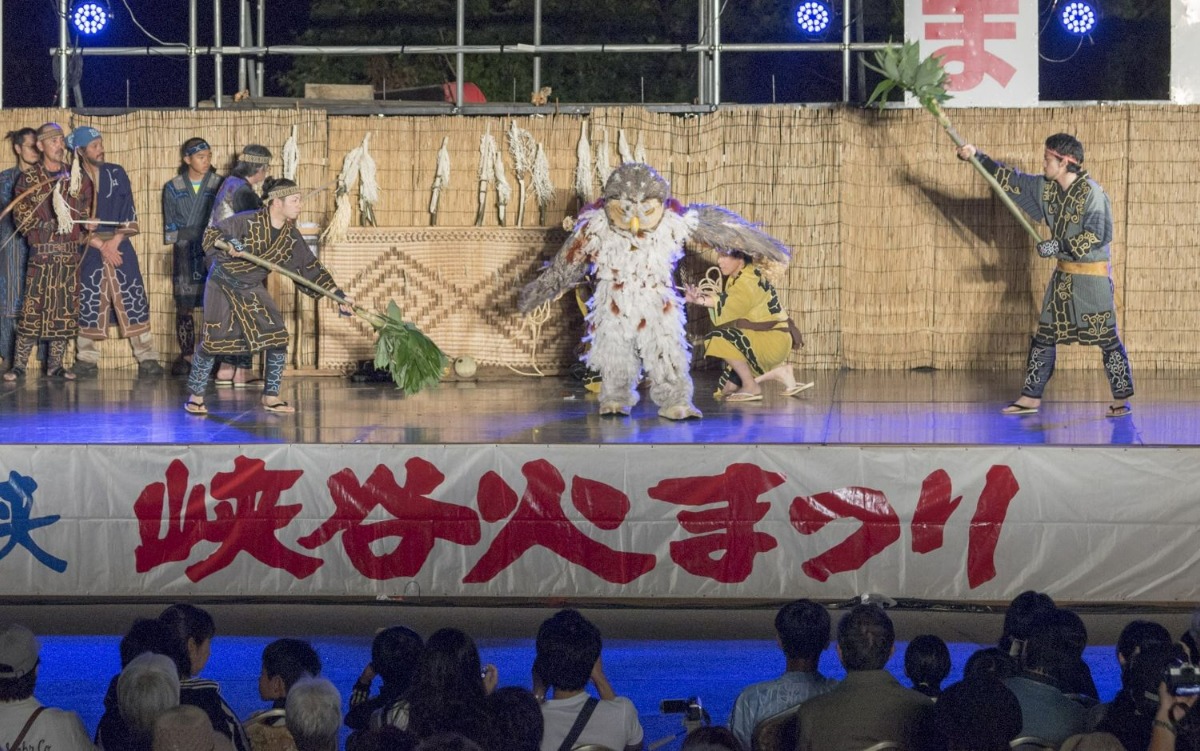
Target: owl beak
635 226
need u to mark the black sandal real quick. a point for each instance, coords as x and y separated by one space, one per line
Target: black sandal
14 374
194 407
60 374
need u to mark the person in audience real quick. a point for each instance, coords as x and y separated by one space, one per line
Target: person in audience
1077 676
712 738
284 661
146 687
1136 635
24 722
1047 712
1024 610
977 714
1093 742
386 738
449 688
1176 723
515 719
187 728
1131 712
927 664
1190 639
395 652
991 661
869 706
193 630
314 714
145 635
448 741
802 629
567 657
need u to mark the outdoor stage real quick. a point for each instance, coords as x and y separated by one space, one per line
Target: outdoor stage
910 484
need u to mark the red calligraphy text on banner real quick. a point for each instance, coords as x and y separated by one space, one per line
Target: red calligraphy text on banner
248 515
934 509
880 527
417 520
998 491
974 30
538 519
728 529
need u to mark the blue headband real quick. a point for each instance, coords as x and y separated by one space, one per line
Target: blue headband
202 146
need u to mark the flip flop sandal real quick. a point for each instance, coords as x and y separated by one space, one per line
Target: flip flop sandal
279 408
16 374
1018 409
1121 411
741 396
798 388
193 407
60 374
247 384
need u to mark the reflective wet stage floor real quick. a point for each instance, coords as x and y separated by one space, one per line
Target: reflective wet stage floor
845 407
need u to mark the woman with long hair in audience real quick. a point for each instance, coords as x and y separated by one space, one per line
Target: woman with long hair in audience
449 688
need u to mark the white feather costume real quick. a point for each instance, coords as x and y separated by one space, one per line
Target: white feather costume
631 241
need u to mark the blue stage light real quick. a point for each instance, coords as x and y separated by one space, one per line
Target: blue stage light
1078 18
813 17
89 17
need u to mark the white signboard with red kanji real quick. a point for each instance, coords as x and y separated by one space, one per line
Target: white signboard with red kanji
1185 51
638 521
989 48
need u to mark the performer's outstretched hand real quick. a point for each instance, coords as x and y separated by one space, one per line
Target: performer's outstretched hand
966 151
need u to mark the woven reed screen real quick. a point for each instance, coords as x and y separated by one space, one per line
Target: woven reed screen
902 258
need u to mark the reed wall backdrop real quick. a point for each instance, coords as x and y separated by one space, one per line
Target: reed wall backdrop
902 258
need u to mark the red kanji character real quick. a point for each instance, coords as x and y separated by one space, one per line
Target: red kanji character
974 30
730 528
538 519
418 520
933 511
248 515
998 491
880 527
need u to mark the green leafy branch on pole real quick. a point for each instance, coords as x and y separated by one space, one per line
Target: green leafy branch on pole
902 68
411 357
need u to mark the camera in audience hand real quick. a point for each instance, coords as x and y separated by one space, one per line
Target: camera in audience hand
1182 680
691 709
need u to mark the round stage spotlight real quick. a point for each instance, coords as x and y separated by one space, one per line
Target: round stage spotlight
89 17
1078 18
813 17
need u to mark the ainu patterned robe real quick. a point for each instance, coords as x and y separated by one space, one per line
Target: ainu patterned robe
13 251
749 296
106 290
239 315
51 306
185 216
1077 308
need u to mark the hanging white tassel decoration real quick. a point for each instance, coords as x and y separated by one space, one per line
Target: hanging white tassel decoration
485 175
583 167
291 155
623 147
603 167
62 212
639 153
368 188
76 178
347 178
441 179
503 189
543 187
523 148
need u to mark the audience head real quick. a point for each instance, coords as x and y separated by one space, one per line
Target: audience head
19 656
1024 610
314 714
448 741
1073 630
449 667
285 661
1136 635
187 728
152 635
866 638
384 738
711 738
395 653
977 714
927 663
803 627
193 630
568 646
515 719
1144 673
1050 646
1092 742
990 661
147 687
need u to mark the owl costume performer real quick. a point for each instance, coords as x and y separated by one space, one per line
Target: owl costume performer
631 241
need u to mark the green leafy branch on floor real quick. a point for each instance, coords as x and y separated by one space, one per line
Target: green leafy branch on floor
902 68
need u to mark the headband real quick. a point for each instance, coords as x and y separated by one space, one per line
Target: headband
283 191
1062 157
48 131
254 159
202 146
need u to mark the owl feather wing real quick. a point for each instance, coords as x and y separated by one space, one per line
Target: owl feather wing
566 270
724 230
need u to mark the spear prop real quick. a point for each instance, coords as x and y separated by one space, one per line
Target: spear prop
902 68
411 357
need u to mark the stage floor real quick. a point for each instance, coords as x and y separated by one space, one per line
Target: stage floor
844 408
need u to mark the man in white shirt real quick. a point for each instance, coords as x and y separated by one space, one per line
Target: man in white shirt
25 725
568 656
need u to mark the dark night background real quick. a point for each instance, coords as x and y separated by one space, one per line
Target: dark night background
1127 58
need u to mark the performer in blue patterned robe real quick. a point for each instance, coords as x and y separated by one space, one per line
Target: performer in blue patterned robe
1078 307
110 278
14 251
187 201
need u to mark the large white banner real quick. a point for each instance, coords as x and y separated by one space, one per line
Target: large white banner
989 48
1185 51
600 521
